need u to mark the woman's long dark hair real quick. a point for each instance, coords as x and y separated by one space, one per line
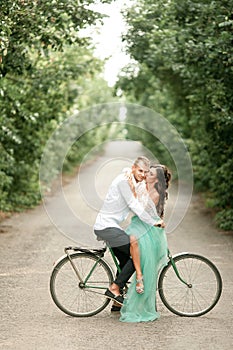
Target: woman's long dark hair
164 177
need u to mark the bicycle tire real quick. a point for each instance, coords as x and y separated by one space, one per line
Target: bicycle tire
205 285
70 295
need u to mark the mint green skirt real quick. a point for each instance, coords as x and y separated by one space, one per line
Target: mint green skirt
153 256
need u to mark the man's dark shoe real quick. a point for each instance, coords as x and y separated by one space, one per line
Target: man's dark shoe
115 308
117 298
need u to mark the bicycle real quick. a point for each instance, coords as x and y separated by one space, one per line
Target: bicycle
189 285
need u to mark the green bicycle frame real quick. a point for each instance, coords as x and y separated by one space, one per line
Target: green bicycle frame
85 281
175 268
89 275
169 256
94 266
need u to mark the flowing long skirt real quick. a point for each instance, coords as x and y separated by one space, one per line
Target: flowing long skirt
153 256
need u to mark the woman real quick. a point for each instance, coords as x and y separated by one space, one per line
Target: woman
152 246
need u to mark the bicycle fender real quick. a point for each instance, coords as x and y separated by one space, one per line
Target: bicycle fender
179 254
63 257
80 253
59 259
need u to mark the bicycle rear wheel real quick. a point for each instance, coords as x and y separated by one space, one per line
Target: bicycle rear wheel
81 299
203 291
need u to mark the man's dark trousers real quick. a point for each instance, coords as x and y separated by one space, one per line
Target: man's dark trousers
119 241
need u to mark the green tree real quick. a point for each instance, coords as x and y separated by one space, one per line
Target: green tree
184 51
44 69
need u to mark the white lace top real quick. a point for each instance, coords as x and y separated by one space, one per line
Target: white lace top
146 201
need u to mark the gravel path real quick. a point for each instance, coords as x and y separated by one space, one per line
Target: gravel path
30 243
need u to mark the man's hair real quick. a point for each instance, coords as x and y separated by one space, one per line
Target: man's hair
141 159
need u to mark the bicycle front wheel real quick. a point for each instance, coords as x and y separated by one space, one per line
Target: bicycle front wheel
202 292
81 299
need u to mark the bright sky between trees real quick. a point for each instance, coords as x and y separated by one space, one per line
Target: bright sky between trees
107 39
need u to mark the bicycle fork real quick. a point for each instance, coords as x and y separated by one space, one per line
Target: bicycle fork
189 285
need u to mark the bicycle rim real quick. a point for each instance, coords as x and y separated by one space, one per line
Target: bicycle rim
73 298
204 290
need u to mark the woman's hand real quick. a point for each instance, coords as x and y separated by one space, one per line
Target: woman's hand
128 175
160 223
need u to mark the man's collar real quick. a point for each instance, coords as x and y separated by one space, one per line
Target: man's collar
137 184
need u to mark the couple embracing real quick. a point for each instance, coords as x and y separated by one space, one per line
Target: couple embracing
142 247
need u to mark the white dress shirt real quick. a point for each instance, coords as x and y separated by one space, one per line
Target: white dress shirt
118 203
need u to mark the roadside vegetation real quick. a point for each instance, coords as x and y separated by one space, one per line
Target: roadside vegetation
182 68
47 69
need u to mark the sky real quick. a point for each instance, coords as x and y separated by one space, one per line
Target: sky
107 39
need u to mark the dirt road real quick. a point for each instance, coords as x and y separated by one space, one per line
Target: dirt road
30 243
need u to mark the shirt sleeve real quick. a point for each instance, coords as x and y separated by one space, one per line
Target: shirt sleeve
134 204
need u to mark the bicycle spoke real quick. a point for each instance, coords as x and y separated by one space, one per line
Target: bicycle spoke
203 289
76 298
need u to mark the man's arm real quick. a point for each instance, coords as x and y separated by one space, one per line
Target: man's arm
135 206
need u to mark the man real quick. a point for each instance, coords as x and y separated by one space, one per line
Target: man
118 203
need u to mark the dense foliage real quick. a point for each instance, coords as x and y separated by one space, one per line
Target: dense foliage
45 70
184 53
183 69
